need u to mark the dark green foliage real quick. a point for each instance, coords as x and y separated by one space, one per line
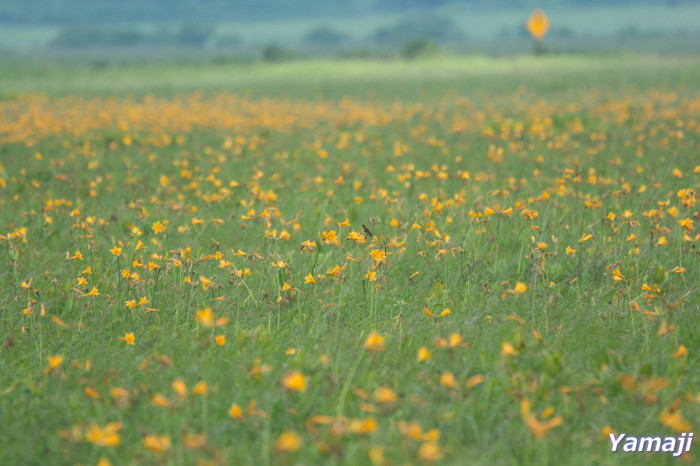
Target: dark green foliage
437 28
88 36
275 52
420 47
324 35
193 34
188 34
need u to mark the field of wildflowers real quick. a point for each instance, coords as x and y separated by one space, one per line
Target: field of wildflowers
474 278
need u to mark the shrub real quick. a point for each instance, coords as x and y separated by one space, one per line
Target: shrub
436 28
193 34
419 47
324 35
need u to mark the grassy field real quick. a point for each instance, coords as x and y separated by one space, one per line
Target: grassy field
459 261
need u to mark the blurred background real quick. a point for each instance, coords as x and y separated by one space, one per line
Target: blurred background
105 32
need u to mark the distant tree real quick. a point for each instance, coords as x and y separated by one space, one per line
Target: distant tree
437 28
91 36
77 36
420 47
275 53
193 34
324 35
229 40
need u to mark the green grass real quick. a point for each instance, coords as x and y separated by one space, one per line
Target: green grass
407 147
384 80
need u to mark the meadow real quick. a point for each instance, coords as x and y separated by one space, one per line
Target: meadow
452 261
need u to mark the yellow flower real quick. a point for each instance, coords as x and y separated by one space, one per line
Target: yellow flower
116 251
686 223
376 456
429 451
520 288
539 428
104 437
371 276
448 379
157 443
680 352
309 279
585 238
377 255
288 441
363 426
330 237
375 342
158 227
507 349
617 275
54 362
207 318
455 340
335 271
295 381
674 419
94 292
195 441
308 246
606 431
220 340
200 388
474 380
129 339
235 411
423 354
385 395
180 388
159 400
77 256
206 283
357 237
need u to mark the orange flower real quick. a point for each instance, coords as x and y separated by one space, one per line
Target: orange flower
288 441
235 411
200 388
585 238
180 388
107 436
295 381
520 288
507 349
680 352
54 362
423 354
385 395
129 339
377 255
375 342
448 380
538 427
157 443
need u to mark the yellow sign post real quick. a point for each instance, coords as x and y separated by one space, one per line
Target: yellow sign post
537 26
